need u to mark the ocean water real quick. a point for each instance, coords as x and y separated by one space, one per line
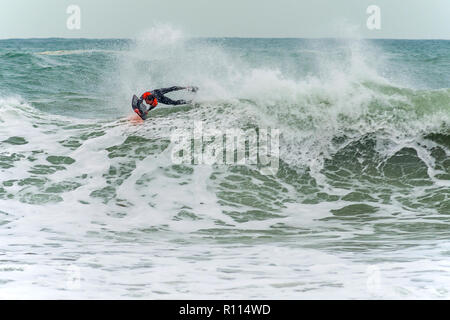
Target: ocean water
92 204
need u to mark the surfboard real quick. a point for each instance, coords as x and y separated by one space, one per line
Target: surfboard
136 104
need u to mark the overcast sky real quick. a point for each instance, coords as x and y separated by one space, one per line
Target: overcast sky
422 19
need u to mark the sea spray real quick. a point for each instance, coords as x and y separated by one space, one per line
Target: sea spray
360 197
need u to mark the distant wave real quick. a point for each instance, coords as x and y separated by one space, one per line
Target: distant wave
72 52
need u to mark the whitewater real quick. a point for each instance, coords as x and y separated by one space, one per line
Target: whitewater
93 206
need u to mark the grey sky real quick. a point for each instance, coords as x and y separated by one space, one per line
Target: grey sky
226 18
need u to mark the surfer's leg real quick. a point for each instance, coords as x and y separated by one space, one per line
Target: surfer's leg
165 100
174 88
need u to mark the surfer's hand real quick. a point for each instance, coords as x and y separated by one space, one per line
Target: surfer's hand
192 89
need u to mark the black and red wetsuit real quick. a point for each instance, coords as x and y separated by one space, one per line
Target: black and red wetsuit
157 96
152 98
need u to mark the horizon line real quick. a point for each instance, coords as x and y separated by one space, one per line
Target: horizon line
231 37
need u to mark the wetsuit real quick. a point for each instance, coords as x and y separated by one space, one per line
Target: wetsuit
158 94
152 98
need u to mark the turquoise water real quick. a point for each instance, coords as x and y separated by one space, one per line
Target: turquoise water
93 206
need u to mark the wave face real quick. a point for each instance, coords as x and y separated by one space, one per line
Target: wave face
360 197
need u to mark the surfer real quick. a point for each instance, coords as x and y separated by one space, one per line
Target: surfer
152 98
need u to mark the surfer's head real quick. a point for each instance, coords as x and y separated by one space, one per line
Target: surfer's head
149 98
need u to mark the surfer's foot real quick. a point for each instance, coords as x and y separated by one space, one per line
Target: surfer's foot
192 89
